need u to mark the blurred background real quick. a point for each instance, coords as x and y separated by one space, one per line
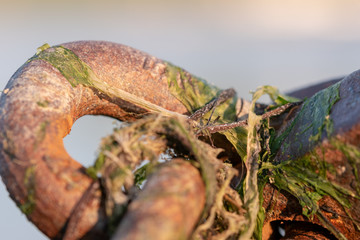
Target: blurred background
231 43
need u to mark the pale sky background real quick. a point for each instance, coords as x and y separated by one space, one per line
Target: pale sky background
231 43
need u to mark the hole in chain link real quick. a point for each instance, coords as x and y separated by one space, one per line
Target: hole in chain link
83 141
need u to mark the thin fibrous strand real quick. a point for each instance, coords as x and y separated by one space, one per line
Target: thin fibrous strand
226 126
221 127
224 95
279 110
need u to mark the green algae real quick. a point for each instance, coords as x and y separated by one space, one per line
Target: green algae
303 177
256 155
43 104
42 48
77 72
68 63
29 181
194 92
310 124
41 133
302 180
251 191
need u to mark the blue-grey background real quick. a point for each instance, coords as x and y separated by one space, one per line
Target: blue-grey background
231 43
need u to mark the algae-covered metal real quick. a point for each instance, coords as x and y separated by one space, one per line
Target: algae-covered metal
65 78
311 158
308 161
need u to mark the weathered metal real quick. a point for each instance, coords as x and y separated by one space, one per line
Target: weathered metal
59 85
38 108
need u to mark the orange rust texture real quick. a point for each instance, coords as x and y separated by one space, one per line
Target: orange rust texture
31 133
168 207
283 206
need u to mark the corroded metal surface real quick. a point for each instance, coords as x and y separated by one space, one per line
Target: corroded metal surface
162 210
38 108
345 116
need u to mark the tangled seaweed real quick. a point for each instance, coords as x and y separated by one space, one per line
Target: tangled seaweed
131 153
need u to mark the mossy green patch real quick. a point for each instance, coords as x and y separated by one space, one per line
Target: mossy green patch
42 48
43 104
68 63
194 93
141 174
310 124
302 180
29 181
41 133
76 71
